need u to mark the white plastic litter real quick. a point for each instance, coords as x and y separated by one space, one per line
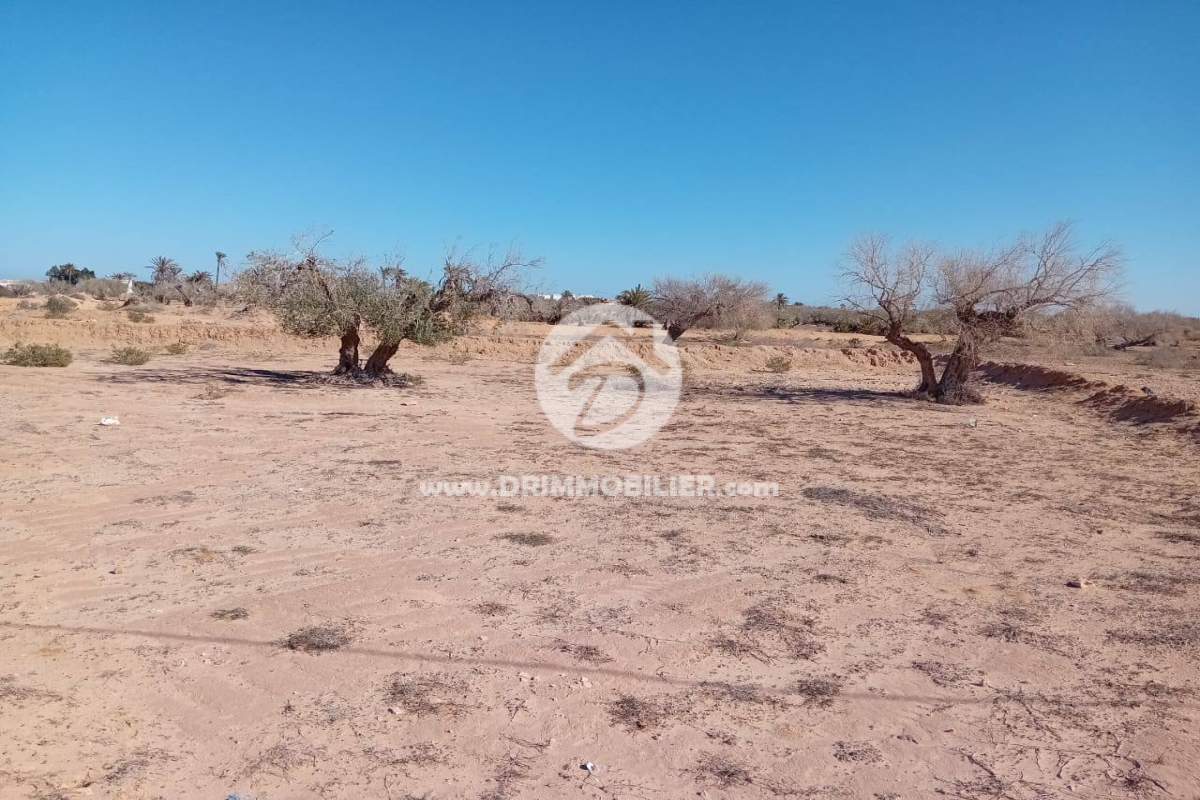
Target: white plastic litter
109 421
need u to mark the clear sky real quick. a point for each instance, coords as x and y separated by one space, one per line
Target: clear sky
619 140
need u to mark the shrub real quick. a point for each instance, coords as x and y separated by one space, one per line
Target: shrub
130 356
58 307
102 288
37 355
28 305
177 348
778 363
140 316
25 289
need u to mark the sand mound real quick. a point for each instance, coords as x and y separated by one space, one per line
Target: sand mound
1033 377
1119 403
1128 405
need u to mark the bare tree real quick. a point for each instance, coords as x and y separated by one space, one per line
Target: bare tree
892 288
991 294
683 303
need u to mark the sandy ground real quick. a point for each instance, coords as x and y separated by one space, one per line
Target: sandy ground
897 623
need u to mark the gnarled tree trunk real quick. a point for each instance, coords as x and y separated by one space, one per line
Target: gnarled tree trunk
348 361
956 386
923 356
377 364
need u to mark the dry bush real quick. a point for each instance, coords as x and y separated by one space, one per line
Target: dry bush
714 301
778 364
102 288
58 307
177 348
130 356
135 315
37 355
1186 359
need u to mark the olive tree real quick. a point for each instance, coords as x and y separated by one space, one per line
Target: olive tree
315 295
990 294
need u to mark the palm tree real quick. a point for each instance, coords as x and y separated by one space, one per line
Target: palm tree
638 297
165 270
781 300
199 276
220 263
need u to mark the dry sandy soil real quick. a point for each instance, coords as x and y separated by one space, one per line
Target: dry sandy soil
240 591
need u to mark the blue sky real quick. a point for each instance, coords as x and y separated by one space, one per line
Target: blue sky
619 140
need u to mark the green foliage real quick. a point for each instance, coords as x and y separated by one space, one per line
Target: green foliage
58 307
130 356
37 355
69 273
164 270
638 297
177 348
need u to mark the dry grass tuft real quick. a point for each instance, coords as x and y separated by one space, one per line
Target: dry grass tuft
946 674
635 713
1145 582
433 693
281 758
230 614
492 608
818 692
1180 537
874 506
770 627
746 694
723 771
857 752
528 539
1174 635
583 652
318 639
12 694
215 391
